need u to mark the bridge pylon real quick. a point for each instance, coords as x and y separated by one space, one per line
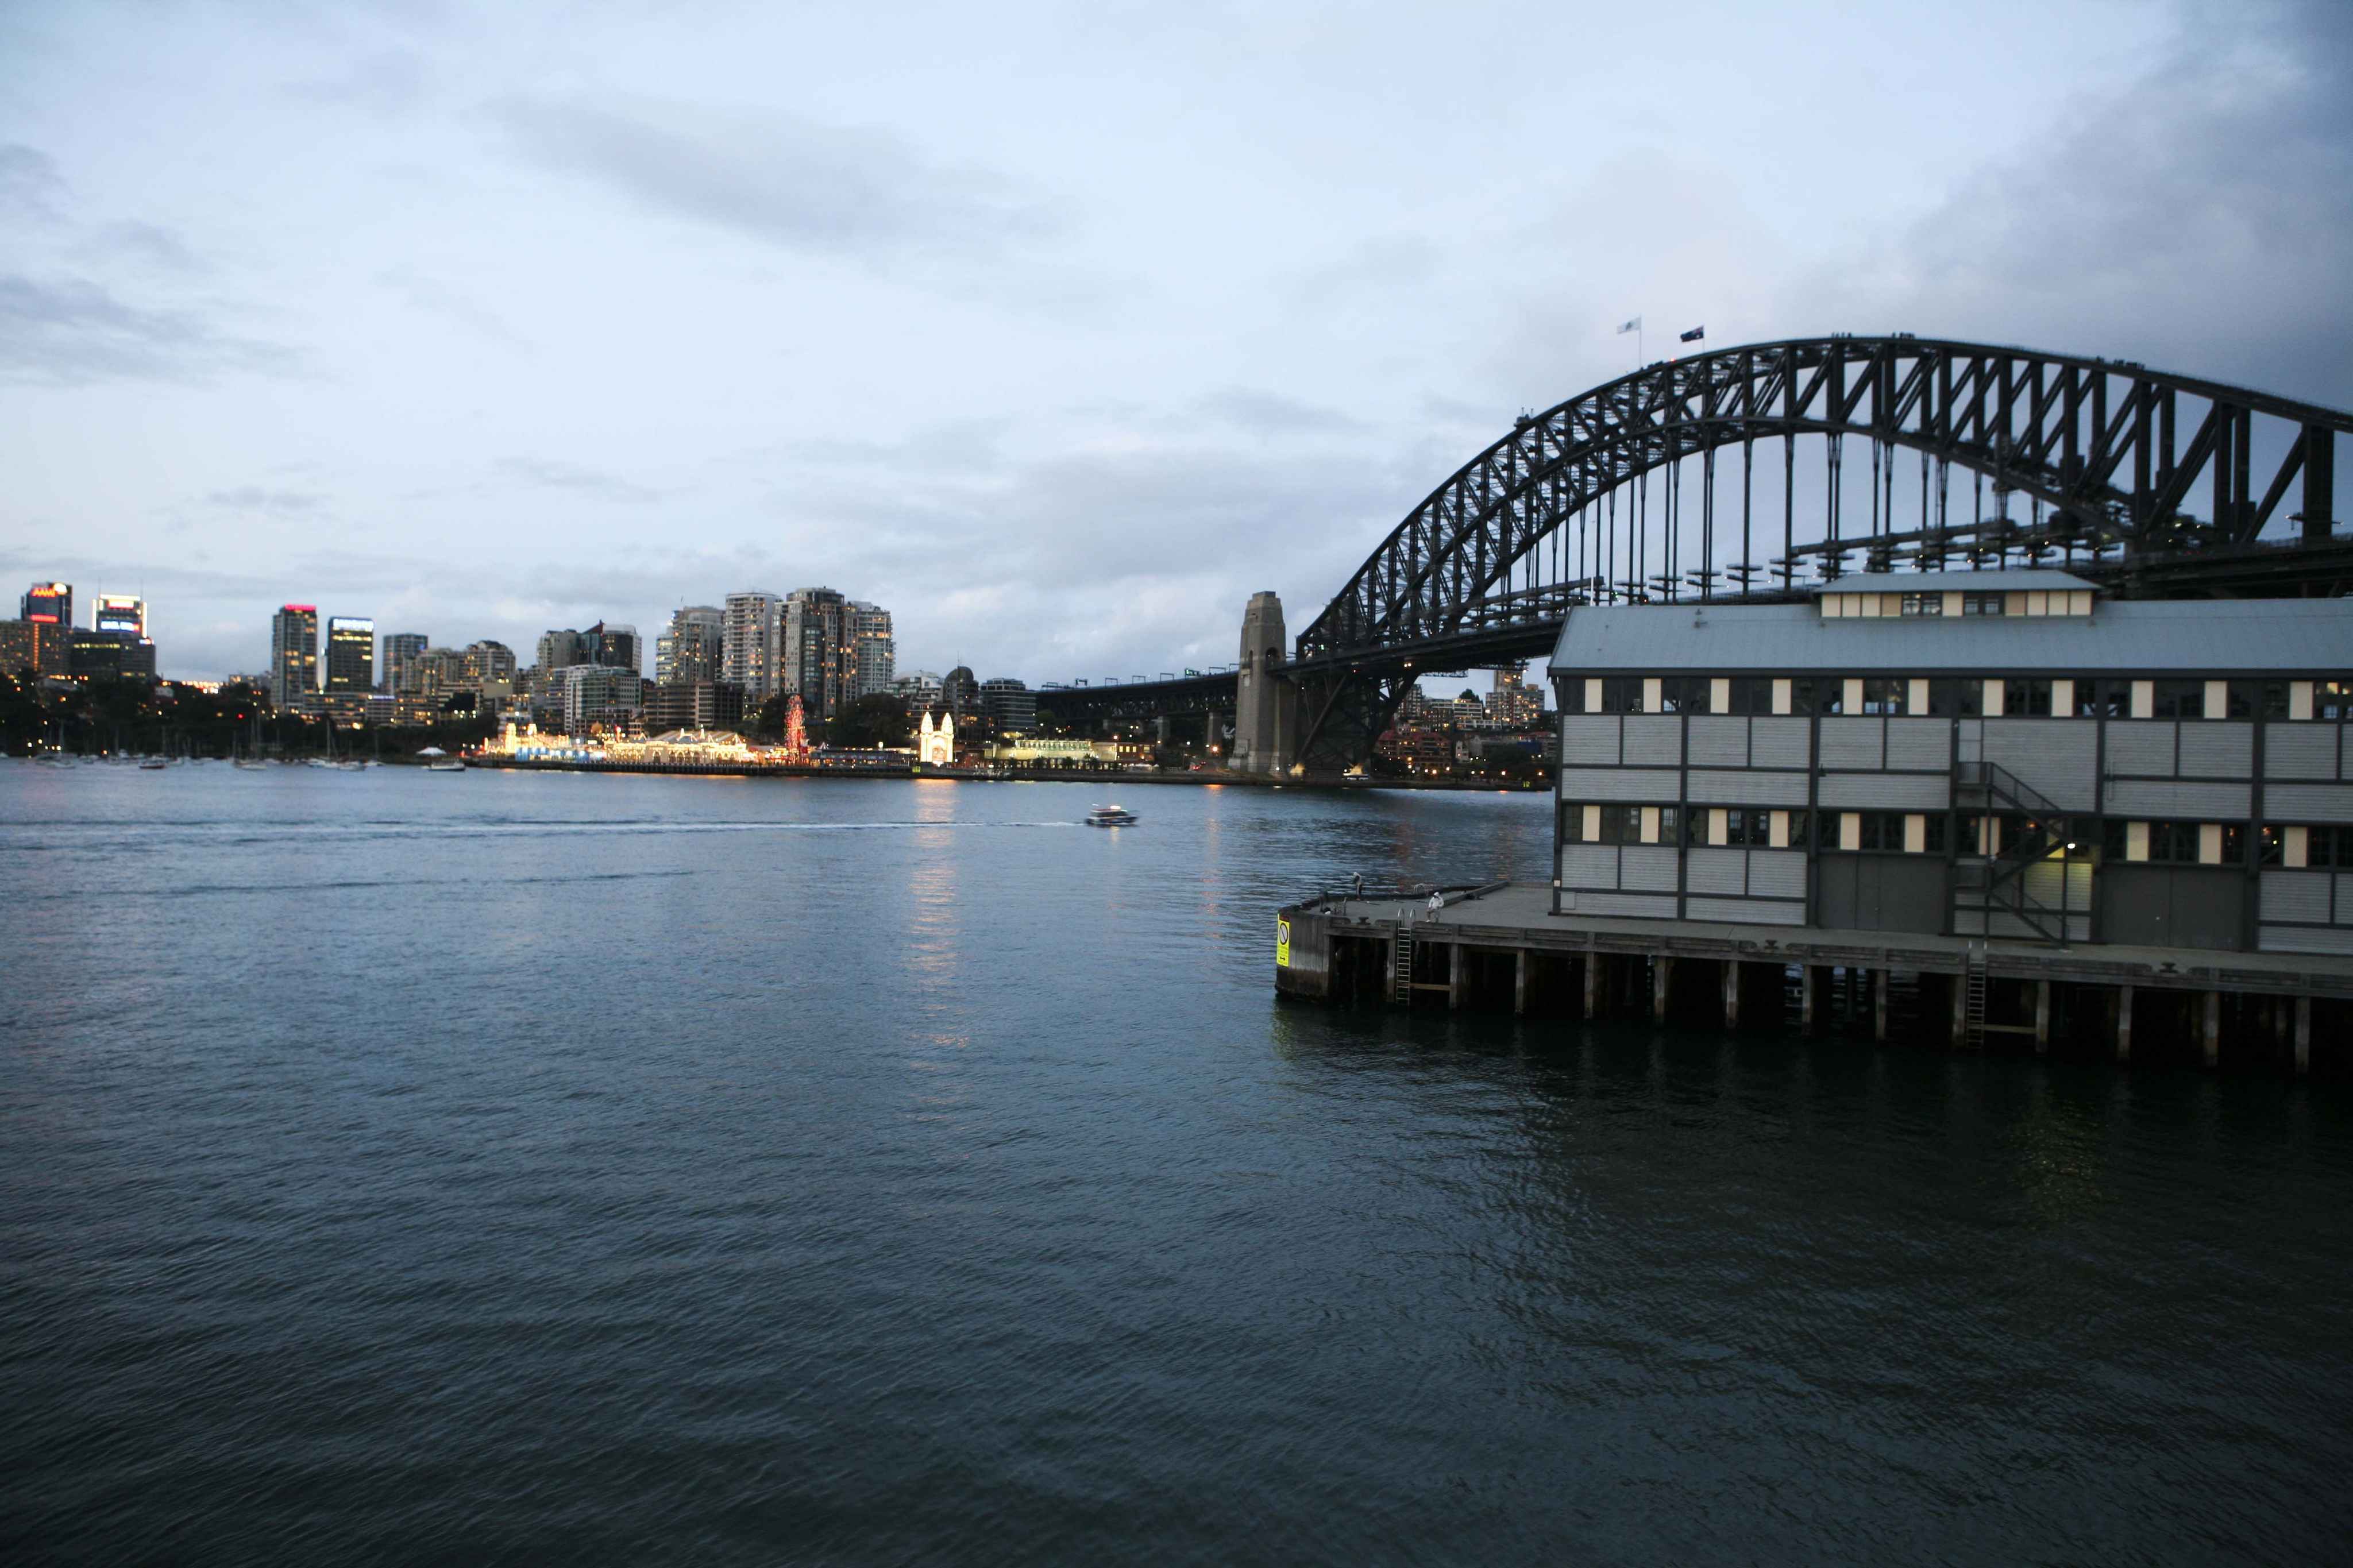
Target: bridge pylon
1266 705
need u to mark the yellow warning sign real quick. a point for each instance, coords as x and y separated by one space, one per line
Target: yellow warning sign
1282 943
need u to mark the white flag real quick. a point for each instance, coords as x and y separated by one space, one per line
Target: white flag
1633 326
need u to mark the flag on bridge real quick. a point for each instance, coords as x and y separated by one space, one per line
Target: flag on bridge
1633 326
1694 335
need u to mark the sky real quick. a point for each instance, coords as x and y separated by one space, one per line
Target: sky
1058 330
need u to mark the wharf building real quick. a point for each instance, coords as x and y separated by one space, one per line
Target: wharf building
1920 806
1975 754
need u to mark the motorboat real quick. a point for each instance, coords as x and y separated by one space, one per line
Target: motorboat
149 764
446 765
1111 817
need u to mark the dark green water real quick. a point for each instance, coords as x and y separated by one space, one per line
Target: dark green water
416 1168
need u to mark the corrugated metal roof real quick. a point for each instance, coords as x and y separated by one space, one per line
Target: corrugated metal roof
2145 637
2017 581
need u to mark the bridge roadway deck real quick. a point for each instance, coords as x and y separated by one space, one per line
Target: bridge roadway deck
1518 915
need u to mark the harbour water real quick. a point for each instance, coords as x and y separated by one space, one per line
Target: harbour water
502 1167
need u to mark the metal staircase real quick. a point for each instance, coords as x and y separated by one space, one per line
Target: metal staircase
1973 998
1997 883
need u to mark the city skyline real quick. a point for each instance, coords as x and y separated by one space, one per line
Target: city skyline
1019 380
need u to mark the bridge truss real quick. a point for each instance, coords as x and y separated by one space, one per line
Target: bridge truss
1648 489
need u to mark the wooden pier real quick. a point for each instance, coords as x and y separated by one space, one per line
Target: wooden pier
1500 948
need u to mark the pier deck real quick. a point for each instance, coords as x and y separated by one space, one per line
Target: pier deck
1502 943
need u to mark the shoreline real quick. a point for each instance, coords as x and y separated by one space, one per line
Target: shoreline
1017 775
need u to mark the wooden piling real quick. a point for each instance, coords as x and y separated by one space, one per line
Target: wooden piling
2124 1023
1522 961
2211 1036
1731 993
1662 969
2303 1036
1879 983
2042 1018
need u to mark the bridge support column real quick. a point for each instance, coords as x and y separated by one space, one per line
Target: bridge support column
1266 706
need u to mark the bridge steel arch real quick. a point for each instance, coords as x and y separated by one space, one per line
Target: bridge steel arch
2109 453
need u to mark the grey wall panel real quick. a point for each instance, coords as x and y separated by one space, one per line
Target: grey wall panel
1653 740
1886 792
2344 898
1588 864
1747 912
1657 785
2219 749
1747 787
2172 906
2140 747
1648 906
1589 738
2308 803
1881 892
1647 869
1718 741
2296 896
2190 802
2345 758
2056 757
2300 752
1923 743
1716 871
2305 939
1852 742
1777 743
1778 872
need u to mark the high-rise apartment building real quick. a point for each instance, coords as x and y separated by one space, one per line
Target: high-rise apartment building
872 655
752 652
690 652
49 604
814 650
601 696
563 650
351 655
918 688
120 612
294 654
488 669
400 651
108 656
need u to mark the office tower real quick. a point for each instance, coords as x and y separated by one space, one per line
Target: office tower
38 647
690 650
615 646
752 652
960 694
351 655
561 649
120 612
488 667
400 651
872 655
49 604
816 650
691 705
294 654
1011 706
107 655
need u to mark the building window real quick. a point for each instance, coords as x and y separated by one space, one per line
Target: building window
2332 699
1882 830
2329 846
2259 699
1621 694
2180 699
2115 840
2174 843
1809 695
1682 694
2027 697
1955 698
1748 825
1884 694
1752 694
1923 604
2097 699
1981 603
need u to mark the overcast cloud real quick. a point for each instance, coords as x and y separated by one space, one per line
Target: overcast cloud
1058 330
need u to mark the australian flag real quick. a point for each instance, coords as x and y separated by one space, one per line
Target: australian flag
1694 335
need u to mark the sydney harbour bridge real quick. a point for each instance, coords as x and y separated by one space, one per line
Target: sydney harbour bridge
1733 476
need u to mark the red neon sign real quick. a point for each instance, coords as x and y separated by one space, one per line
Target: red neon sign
300 609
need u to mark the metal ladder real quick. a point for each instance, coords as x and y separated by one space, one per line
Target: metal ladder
1973 998
1401 968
